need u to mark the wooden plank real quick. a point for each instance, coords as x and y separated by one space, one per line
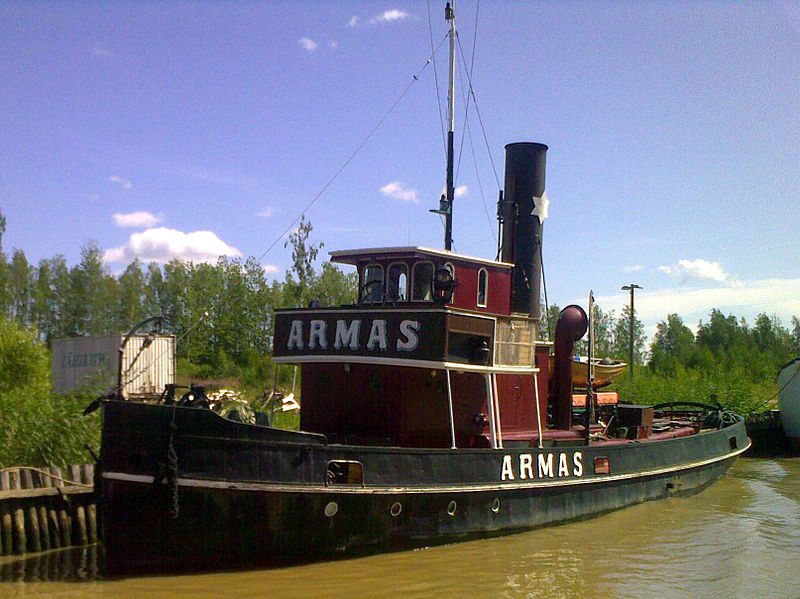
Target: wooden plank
46 492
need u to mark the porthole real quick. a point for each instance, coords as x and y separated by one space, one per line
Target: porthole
495 505
331 509
451 508
396 508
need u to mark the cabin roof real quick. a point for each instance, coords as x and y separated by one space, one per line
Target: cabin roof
356 257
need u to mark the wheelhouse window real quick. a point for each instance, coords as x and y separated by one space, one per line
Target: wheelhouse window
483 286
397 282
372 290
452 269
422 282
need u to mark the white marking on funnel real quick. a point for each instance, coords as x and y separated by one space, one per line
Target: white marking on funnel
540 207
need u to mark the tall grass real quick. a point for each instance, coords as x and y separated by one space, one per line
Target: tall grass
38 427
730 388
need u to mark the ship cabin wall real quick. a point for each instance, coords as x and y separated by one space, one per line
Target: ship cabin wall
373 404
479 286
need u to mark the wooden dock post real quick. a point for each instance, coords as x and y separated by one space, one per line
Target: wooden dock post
79 513
6 519
20 538
52 514
63 510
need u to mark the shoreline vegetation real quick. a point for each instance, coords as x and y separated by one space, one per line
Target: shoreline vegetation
222 315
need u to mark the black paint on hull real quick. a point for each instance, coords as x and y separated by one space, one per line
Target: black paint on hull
251 495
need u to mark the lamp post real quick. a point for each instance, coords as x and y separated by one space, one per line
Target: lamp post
630 288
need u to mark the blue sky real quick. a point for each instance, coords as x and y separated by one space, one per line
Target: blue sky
190 129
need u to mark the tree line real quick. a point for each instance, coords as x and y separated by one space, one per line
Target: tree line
223 313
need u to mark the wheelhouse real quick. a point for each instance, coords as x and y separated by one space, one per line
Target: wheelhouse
431 348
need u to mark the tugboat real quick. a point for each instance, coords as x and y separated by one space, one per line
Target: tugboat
430 414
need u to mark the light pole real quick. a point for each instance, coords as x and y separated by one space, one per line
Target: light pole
630 288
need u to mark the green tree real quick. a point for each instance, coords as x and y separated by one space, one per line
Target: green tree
153 295
620 347
92 296
332 287
300 278
5 296
672 346
20 281
131 294
795 341
603 324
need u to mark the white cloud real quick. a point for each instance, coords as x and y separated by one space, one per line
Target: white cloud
461 191
354 21
634 268
124 183
697 269
136 219
271 269
308 44
398 191
266 212
99 50
162 245
333 44
390 16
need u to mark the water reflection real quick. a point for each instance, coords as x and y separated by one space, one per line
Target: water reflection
73 564
738 538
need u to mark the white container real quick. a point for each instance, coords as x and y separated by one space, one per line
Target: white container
148 363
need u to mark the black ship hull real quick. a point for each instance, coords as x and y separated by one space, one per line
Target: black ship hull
184 489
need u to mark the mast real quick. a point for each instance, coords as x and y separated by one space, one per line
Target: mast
446 201
450 16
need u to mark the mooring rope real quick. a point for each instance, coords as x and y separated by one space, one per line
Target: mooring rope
48 474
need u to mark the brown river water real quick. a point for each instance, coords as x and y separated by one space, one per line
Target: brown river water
739 538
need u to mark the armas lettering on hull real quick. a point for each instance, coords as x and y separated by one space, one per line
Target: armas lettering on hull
353 335
528 466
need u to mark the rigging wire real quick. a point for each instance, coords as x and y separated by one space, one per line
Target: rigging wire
436 80
467 133
471 92
414 79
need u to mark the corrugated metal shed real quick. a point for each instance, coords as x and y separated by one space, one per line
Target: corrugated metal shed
148 363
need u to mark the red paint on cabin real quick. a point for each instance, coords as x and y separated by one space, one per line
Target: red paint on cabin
372 404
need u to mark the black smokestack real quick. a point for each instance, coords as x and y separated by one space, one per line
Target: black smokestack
522 230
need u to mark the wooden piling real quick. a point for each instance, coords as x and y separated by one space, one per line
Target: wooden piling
31 515
79 513
52 514
20 538
5 518
87 477
63 509
41 509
